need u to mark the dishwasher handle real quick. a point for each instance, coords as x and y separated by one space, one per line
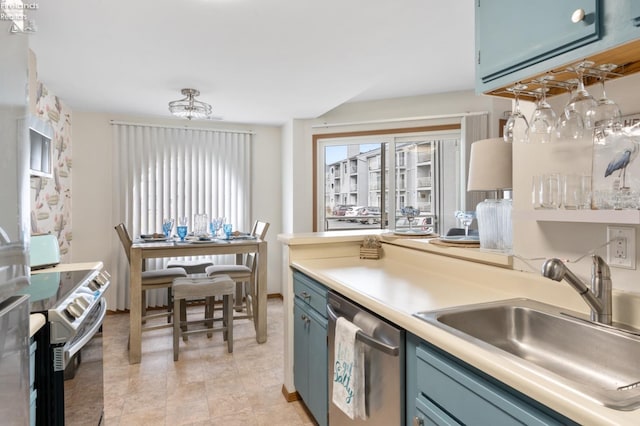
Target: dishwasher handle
366 339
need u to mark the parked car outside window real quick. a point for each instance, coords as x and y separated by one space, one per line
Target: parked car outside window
341 209
374 215
353 212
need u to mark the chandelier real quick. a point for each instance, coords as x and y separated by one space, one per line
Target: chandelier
190 107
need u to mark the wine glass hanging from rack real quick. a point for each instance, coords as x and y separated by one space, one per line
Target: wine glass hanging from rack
569 125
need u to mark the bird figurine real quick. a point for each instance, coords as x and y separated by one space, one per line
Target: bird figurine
621 161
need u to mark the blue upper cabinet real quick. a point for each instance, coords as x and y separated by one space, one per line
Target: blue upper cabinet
635 13
514 34
517 40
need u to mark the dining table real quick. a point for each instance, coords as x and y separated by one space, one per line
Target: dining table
143 249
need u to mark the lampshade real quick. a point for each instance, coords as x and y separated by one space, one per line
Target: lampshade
490 165
490 169
190 107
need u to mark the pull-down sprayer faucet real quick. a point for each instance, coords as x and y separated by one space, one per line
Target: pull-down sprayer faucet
598 298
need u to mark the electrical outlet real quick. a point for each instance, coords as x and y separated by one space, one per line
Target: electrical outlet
621 251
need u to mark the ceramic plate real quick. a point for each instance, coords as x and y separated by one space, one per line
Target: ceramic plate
150 239
461 239
417 233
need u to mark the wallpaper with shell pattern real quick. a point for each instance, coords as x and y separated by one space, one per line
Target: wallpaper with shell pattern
51 197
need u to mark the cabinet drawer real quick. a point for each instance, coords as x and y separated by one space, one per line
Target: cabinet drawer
310 292
429 414
473 399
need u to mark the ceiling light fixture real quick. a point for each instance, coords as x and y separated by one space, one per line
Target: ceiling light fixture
190 107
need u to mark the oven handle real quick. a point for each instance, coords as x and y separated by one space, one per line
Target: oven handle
365 338
80 343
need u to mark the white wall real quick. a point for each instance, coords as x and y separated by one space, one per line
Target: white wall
93 235
567 240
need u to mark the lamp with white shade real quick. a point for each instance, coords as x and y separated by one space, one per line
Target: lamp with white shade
490 169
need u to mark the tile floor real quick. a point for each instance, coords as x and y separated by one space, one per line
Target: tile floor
207 386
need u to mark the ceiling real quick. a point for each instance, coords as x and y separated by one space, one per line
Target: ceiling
254 61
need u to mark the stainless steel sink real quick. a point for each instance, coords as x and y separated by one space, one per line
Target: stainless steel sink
601 362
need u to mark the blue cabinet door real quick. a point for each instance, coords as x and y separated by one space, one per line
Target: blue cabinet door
318 402
443 390
300 351
514 34
310 345
635 13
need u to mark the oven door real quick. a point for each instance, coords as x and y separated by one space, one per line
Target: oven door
82 376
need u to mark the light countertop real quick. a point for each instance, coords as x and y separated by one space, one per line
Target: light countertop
36 321
69 267
405 281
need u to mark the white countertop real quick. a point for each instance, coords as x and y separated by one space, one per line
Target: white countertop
36 321
406 281
69 267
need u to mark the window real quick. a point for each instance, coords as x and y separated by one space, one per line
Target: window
411 174
173 172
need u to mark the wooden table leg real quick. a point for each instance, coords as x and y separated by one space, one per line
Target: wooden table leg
237 305
260 316
135 314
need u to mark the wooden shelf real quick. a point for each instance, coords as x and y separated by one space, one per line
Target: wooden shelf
628 217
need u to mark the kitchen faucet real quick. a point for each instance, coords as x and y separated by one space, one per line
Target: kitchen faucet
598 298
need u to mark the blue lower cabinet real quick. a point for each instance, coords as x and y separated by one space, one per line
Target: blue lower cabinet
310 347
443 390
427 413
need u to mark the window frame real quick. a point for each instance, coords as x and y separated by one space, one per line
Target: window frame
317 156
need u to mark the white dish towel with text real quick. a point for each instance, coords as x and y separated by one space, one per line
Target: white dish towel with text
348 371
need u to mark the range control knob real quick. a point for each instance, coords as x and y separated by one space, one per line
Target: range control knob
74 310
82 301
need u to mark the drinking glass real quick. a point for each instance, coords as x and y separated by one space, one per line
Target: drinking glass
570 125
167 226
182 227
182 231
517 127
200 224
581 101
550 195
543 120
466 218
607 113
411 214
217 223
227 227
214 226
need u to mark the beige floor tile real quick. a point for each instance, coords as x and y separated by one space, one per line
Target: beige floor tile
207 385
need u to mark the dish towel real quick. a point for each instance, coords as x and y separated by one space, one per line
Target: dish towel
348 372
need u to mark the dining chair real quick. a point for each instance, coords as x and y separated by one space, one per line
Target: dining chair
151 280
244 275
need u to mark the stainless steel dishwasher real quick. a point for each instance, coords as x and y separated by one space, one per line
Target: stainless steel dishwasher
383 365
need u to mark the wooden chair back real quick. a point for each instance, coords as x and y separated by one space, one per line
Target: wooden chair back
125 239
260 229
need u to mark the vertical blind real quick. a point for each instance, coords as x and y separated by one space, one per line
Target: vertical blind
172 172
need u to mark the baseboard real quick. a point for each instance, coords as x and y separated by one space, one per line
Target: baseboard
290 396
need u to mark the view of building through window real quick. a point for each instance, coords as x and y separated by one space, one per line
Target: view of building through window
357 182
